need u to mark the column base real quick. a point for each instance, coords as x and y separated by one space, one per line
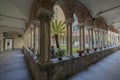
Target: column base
70 56
50 62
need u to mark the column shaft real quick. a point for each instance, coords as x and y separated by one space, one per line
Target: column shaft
89 37
69 40
34 45
95 38
92 39
44 39
83 36
80 44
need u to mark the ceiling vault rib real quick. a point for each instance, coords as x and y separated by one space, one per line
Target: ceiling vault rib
118 28
14 17
108 10
10 27
116 22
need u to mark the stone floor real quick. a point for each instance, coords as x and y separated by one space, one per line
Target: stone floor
107 69
13 66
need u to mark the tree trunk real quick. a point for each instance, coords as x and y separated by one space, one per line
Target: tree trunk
57 42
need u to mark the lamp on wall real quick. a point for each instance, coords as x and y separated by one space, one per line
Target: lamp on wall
94 19
5 34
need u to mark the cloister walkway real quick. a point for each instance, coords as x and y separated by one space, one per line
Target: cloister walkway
107 69
13 66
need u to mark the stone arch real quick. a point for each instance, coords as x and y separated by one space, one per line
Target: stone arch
66 7
69 7
100 23
82 13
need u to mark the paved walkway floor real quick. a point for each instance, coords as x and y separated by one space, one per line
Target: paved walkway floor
13 66
107 69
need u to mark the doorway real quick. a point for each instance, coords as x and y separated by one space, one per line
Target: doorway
8 44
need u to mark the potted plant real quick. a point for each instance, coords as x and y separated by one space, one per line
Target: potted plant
87 50
104 46
80 52
100 48
95 49
33 50
60 53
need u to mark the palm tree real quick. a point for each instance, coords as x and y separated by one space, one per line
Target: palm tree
58 28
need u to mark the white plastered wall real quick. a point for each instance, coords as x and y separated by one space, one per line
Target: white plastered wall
1 41
18 43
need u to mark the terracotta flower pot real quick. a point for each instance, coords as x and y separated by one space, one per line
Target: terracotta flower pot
87 50
60 58
95 49
104 46
80 52
100 48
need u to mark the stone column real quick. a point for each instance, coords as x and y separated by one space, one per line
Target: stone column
98 39
34 38
36 24
80 42
69 38
105 38
81 26
110 43
114 39
1 41
92 39
89 37
117 39
31 30
110 39
83 37
95 38
44 38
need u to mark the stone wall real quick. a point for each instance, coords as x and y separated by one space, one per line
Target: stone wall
61 70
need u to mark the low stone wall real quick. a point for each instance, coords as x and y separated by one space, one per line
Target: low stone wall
31 60
61 70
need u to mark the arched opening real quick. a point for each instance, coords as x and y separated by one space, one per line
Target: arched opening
87 37
58 30
12 40
75 35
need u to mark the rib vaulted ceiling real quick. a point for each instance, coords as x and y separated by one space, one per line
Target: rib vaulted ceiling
21 9
14 14
112 16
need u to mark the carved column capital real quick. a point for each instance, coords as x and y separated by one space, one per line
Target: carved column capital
36 22
45 12
69 21
81 24
89 27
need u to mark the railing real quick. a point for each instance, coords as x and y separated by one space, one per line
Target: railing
60 70
31 59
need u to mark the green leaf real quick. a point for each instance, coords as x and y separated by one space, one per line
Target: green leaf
58 27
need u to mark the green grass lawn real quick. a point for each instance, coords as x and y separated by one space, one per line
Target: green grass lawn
73 49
